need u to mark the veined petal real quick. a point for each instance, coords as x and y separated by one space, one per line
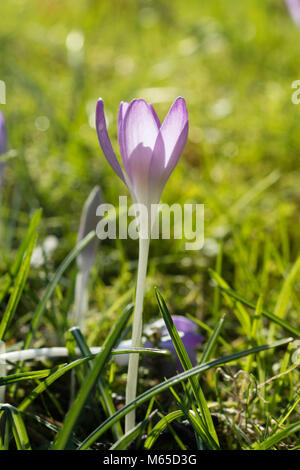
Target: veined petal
155 115
140 127
122 111
105 141
157 170
139 130
177 151
183 324
172 129
168 147
138 169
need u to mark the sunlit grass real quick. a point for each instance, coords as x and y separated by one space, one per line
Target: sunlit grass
234 62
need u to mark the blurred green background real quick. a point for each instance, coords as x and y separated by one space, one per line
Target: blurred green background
234 62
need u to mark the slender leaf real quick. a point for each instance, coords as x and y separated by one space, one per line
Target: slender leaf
271 316
272 440
212 342
51 286
208 433
18 426
34 222
105 394
130 436
86 388
18 288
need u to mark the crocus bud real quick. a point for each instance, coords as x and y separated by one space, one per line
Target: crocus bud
88 222
3 146
149 150
2 135
86 257
294 9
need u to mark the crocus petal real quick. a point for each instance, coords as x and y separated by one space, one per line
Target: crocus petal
294 10
183 324
174 131
168 366
140 127
169 145
139 132
177 151
105 141
122 111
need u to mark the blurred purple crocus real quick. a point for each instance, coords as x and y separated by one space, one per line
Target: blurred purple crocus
190 337
149 150
294 9
3 146
157 335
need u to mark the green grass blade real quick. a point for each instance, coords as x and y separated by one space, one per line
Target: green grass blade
192 418
239 310
277 437
21 376
18 287
209 330
209 432
18 427
171 383
130 436
212 341
160 426
34 222
40 388
289 408
284 296
32 375
271 316
86 388
33 225
107 402
51 286
285 293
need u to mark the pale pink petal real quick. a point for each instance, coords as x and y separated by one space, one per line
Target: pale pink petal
154 115
140 127
139 132
105 141
122 111
168 148
172 129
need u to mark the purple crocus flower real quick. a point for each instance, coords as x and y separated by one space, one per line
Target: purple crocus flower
3 146
149 150
294 9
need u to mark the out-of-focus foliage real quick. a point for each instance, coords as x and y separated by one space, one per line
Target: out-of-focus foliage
234 62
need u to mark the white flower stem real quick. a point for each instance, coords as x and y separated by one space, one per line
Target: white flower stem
132 375
2 371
